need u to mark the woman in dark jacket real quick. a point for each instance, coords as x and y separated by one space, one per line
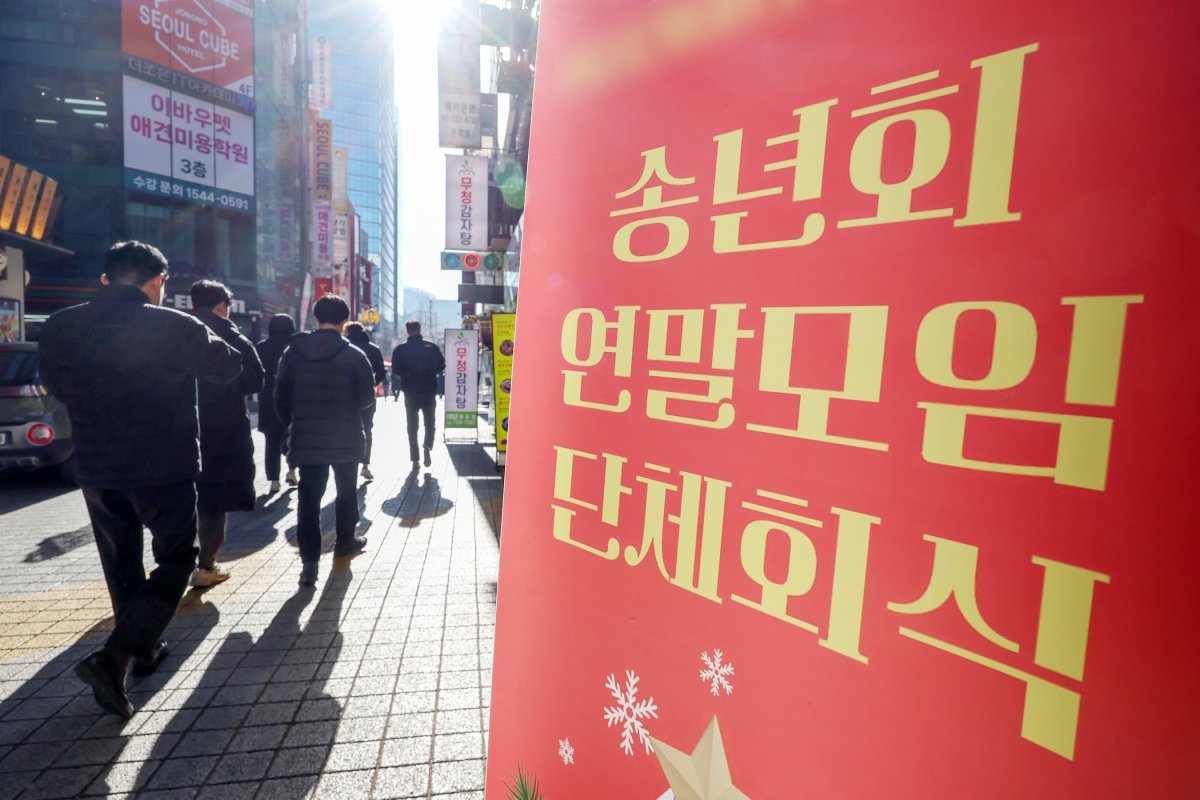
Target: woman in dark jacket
280 331
226 479
359 337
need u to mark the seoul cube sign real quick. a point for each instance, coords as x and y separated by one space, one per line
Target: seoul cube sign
212 40
856 459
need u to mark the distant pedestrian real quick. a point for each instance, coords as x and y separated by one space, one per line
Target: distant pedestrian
418 363
226 480
127 370
280 331
359 337
323 386
395 387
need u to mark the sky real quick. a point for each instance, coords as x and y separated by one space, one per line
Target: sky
422 168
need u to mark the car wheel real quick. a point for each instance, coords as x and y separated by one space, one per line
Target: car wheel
67 471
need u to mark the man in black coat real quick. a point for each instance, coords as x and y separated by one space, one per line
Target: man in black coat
323 386
359 337
226 480
280 331
127 370
418 363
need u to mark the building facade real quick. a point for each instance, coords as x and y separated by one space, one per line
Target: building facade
199 150
357 41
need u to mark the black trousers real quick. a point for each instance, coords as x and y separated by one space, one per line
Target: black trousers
313 480
368 423
144 605
423 403
273 453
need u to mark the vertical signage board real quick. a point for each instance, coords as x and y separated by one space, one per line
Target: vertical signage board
855 460
462 378
459 108
466 202
504 339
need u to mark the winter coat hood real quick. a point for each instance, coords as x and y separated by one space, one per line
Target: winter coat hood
320 345
281 326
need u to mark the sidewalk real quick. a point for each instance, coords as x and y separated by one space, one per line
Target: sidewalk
374 684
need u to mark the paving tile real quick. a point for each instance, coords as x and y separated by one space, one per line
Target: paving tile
374 684
395 782
457 776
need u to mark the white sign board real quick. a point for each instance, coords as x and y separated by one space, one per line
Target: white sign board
177 136
458 76
322 239
462 378
466 203
322 74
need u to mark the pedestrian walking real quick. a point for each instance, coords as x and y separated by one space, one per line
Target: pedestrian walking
226 480
395 388
280 331
127 370
323 386
418 363
359 337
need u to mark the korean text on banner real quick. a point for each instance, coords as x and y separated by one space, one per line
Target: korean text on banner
466 202
504 335
462 378
322 239
322 74
854 458
459 108
199 144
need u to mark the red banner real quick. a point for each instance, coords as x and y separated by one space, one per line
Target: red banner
212 40
851 462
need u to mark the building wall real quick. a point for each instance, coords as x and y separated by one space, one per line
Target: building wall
60 114
281 135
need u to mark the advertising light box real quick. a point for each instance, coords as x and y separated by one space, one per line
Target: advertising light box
854 459
212 40
205 147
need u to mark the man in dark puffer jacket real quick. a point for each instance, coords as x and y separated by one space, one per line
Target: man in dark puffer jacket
127 371
323 386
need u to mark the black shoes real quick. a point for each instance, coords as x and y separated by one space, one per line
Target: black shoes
145 665
428 457
350 548
100 671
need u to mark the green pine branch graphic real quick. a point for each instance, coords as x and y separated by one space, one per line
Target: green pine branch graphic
526 787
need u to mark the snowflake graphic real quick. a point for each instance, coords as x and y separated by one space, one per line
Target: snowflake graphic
717 672
630 713
566 752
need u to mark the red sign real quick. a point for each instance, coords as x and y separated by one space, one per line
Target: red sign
322 287
853 464
470 261
212 40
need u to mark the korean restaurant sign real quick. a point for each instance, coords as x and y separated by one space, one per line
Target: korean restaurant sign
211 40
179 146
466 202
854 460
462 378
504 337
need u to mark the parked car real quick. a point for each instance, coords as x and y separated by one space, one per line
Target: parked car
35 431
